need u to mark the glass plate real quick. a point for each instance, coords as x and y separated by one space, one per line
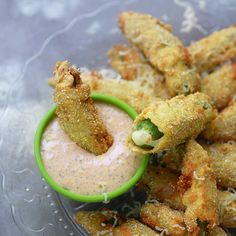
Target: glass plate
28 205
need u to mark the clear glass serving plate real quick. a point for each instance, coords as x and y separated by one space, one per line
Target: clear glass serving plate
28 206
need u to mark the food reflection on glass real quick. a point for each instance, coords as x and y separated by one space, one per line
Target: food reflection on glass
187 124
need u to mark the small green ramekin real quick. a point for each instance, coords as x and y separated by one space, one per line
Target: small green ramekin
72 195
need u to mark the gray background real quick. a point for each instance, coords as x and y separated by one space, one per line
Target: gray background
34 35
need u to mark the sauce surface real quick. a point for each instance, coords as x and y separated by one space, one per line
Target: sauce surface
82 172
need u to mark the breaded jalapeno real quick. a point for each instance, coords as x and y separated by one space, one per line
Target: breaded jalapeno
165 124
164 51
76 112
223 127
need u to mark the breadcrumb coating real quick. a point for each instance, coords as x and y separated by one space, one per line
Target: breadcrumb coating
200 198
94 222
216 231
223 127
160 216
224 162
161 185
132 94
220 85
133 66
164 51
133 228
76 111
179 119
214 49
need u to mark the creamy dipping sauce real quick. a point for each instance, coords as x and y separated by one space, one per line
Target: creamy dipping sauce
82 172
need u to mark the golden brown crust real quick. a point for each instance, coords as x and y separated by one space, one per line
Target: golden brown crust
133 228
201 198
94 222
161 184
179 119
127 62
160 216
214 49
227 208
224 162
132 66
216 231
220 85
76 112
164 51
223 127
129 93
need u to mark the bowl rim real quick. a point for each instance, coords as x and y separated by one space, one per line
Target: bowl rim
108 99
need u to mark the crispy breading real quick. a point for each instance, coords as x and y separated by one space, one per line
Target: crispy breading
133 228
223 127
227 208
133 66
220 85
216 231
129 93
214 49
130 63
137 97
160 216
224 162
161 184
164 51
179 119
94 222
200 198
76 111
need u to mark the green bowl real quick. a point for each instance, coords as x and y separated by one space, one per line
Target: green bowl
72 195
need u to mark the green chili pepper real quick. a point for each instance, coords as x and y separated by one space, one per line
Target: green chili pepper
203 227
147 131
150 127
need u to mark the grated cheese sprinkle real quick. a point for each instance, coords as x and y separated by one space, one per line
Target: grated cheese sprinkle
197 177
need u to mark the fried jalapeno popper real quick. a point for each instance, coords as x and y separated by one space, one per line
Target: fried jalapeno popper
132 66
171 222
214 49
166 124
223 127
200 197
133 228
164 51
224 162
220 85
76 112
161 217
161 185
